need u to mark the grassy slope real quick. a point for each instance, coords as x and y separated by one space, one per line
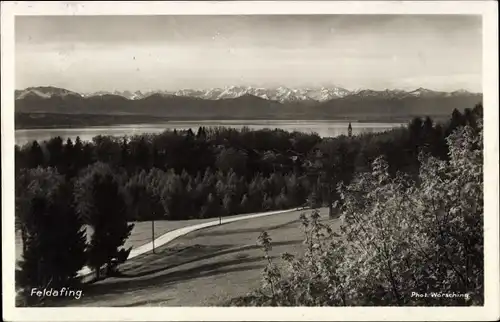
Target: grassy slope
204 268
142 232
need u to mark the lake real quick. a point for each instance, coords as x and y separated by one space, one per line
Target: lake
322 128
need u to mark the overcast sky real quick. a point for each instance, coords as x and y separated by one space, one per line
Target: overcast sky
92 53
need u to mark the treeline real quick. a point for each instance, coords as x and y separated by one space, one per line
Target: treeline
62 187
223 171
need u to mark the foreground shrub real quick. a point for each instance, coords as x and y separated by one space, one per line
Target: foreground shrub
399 240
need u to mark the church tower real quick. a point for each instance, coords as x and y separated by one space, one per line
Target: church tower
349 130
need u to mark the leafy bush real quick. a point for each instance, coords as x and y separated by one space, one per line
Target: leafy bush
399 238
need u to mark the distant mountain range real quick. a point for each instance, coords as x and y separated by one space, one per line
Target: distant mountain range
238 102
280 94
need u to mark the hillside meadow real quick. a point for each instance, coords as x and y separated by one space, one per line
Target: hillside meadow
204 268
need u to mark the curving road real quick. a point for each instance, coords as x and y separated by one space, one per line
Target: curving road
171 235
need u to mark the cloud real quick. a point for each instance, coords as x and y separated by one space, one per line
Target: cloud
97 53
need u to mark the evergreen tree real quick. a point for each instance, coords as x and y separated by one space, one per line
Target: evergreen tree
267 203
125 153
88 155
100 201
68 165
212 207
202 134
327 169
55 150
36 157
53 235
77 160
428 134
245 204
190 133
457 120
281 201
141 154
313 200
156 159
478 111
20 159
228 204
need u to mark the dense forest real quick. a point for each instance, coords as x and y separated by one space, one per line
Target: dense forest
211 172
188 175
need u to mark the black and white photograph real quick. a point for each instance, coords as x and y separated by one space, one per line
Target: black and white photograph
249 157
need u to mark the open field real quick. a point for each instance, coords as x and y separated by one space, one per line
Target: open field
142 232
204 268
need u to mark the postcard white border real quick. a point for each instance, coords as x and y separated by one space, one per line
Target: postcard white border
489 12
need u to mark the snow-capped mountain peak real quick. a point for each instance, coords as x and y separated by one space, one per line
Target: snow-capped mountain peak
44 92
422 92
281 94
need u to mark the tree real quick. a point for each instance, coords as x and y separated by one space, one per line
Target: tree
212 207
172 195
231 158
88 155
100 201
125 159
398 236
228 204
55 150
68 166
53 236
202 133
244 205
329 165
478 111
20 159
457 120
281 201
428 132
151 206
267 203
77 160
137 201
36 157
313 200
141 154
415 142
189 133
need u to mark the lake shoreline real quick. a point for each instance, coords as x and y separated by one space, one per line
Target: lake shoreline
202 121
322 128
51 121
